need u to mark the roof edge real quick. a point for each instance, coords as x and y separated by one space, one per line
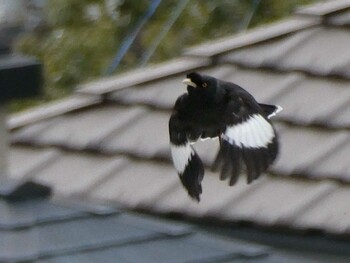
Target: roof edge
254 36
323 8
51 109
92 93
142 75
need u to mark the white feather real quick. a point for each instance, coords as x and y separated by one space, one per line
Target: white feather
265 129
256 132
279 108
181 155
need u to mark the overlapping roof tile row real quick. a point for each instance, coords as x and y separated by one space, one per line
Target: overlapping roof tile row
46 231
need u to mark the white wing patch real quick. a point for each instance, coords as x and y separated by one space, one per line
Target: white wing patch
279 109
256 132
181 155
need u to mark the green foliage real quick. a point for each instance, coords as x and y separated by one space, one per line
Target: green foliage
74 48
82 36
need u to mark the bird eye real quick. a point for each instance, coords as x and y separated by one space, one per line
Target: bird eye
204 85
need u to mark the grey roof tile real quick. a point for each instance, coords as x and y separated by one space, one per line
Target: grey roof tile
18 246
331 214
79 130
304 148
147 137
27 214
267 53
256 36
335 164
313 100
311 50
85 204
279 258
341 117
39 158
216 196
164 92
24 225
30 132
276 201
73 173
117 236
43 231
143 75
341 19
269 201
168 228
138 184
194 248
89 233
161 93
264 85
316 53
324 8
51 110
156 187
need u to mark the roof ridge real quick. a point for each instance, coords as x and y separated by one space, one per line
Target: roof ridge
142 75
93 93
322 9
252 37
51 109
304 17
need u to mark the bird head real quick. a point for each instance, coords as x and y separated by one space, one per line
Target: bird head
199 83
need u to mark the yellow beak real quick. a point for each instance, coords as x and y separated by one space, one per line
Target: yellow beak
189 83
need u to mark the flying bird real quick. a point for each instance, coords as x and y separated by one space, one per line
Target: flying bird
213 108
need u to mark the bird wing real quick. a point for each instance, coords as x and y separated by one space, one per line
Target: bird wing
248 138
186 161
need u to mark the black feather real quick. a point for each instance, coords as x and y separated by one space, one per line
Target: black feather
192 177
215 108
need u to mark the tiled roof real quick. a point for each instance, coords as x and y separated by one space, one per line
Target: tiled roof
58 231
109 141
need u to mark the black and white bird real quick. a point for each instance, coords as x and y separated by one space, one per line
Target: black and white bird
214 108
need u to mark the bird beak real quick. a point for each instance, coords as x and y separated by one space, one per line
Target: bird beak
189 82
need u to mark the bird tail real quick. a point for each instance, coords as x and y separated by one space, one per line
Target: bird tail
270 110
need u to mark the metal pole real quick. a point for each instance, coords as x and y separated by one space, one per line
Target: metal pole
130 38
173 17
3 143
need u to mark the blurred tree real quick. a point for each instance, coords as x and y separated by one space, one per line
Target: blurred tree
81 37
78 42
